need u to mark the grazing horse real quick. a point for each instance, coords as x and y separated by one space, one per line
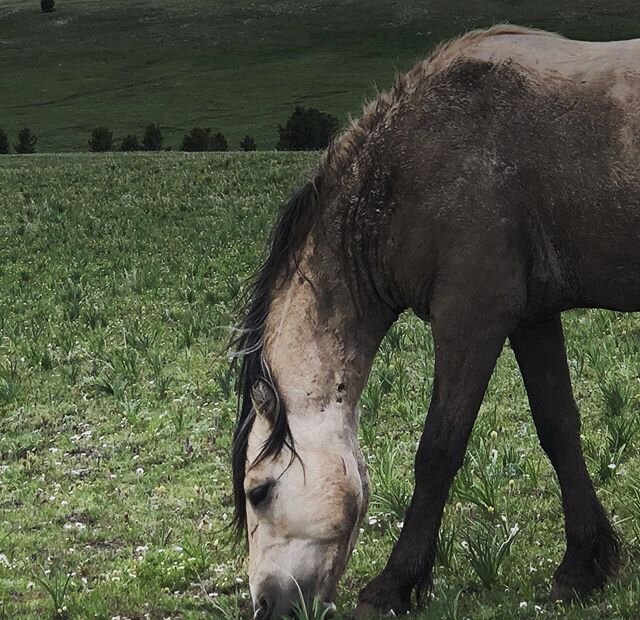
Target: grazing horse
494 186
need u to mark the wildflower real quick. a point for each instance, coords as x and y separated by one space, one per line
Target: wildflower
523 604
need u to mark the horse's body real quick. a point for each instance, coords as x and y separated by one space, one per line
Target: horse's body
496 185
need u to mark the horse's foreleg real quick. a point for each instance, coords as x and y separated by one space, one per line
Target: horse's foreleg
465 355
593 548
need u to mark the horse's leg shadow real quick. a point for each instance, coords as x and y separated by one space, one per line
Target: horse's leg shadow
593 548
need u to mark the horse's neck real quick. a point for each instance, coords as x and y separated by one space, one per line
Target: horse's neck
318 344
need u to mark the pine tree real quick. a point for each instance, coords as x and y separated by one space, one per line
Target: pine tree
152 139
48 6
219 143
26 144
307 129
5 147
197 140
101 140
248 143
130 143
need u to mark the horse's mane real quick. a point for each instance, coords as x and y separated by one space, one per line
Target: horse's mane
293 225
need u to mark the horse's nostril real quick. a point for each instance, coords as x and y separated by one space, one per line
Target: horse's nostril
263 612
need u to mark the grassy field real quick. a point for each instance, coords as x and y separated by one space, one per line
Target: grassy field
239 67
118 276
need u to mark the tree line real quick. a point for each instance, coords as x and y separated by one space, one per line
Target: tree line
306 129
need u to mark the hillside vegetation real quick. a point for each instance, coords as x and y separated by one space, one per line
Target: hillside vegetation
238 67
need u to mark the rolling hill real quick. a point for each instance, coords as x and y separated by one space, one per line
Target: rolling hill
238 67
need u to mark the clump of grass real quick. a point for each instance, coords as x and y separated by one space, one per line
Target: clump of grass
445 551
139 338
161 381
95 317
72 295
56 585
481 487
198 549
396 338
111 384
616 395
487 548
190 326
9 381
626 599
225 377
316 610
446 604
392 490
371 400
179 418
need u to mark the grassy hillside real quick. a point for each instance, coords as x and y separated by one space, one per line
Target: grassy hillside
117 283
238 67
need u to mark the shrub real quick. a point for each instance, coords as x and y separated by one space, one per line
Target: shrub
130 143
307 129
248 143
26 142
5 147
152 139
219 143
101 140
200 139
48 6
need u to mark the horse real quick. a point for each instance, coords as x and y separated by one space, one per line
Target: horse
494 186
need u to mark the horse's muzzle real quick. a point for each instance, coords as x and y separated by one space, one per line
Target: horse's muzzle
274 603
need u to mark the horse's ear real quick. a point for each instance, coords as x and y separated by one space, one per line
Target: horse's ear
264 400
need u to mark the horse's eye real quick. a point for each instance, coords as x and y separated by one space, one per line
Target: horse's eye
258 495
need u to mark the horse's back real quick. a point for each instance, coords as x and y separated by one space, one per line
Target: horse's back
569 133
550 57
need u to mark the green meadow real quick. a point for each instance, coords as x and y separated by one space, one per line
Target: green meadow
119 277
237 67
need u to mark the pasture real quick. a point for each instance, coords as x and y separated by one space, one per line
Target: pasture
118 279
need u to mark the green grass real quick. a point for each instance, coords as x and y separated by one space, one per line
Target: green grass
118 276
239 67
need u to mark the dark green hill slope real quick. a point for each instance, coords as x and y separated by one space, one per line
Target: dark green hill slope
236 66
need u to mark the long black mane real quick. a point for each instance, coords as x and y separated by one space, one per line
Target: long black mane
292 227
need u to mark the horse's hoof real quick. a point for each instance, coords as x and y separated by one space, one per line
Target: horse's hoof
561 592
580 589
366 611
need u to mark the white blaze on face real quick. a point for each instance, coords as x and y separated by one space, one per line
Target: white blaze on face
304 530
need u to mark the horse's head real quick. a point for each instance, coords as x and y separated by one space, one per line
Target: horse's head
307 344
303 504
